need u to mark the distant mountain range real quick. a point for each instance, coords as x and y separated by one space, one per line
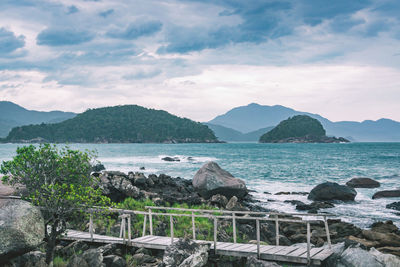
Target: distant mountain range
12 115
241 121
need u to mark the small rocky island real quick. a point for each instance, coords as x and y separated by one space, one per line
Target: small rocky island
299 129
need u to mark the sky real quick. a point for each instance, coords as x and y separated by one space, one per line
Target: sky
200 58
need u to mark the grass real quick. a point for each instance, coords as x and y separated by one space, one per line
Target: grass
59 262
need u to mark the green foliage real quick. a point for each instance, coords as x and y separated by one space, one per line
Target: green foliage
120 124
296 126
59 262
57 180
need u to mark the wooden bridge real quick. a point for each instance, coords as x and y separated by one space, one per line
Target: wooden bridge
291 254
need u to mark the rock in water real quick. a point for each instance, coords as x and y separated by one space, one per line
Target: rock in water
332 191
21 228
363 182
394 206
386 193
211 180
186 253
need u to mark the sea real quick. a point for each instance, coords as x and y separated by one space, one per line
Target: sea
269 168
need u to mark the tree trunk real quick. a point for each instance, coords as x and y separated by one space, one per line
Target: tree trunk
51 243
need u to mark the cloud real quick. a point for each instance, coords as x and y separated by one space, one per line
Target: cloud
141 74
63 36
72 9
136 29
106 13
9 42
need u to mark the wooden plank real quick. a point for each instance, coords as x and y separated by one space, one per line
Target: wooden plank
275 249
297 252
315 251
223 245
323 254
265 248
286 251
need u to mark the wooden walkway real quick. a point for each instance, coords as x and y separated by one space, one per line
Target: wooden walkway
291 254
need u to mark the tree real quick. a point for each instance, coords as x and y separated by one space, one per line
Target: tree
57 180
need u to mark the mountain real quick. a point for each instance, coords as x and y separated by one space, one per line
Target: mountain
12 115
231 135
299 129
254 116
119 124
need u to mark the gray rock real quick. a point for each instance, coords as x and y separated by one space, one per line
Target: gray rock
233 204
386 194
114 261
387 259
73 248
355 257
254 262
211 180
141 258
91 258
363 182
31 259
186 253
21 228
394 206
332 191
219 200
125 186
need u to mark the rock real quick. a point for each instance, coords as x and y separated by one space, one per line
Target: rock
363 182
31 259
211 180
295 202
254 262
142 168
114 261
98 167
364 242
391 250
385 227
332 191
314 206
387 259
354 257
384 239
186 253
233 204
171 159
394 206
282 193
21 228
219 200
91 258
386 194
139 179
73 248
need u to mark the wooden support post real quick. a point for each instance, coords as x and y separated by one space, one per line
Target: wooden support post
91 226
308 244
193 227
276 230
144 225
171 222
234 226
215 234
123 228
258 237
328 236
151 221
129 228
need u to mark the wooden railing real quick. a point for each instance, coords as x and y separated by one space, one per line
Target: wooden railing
215 215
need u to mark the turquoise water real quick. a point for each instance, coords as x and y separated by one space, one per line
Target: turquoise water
270 167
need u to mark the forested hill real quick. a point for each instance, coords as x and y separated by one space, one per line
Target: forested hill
299 129
119 124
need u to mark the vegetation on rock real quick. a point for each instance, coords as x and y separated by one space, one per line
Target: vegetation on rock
119 124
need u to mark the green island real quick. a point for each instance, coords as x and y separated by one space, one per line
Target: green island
299 129
119 124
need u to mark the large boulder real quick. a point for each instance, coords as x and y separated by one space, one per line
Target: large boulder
394 206
386 193
91 258
332 191
354 257
21 228
387 259
186 253
363 182
211 179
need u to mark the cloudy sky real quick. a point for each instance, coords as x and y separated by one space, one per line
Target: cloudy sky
200 58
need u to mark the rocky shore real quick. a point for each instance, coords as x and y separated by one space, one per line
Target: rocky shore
215 187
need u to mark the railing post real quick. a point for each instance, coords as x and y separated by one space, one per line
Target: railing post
171 222
328 236
123 227
129 228
193 227
234 226
91 226
151 221
276 230
144 225
215 234
258 237
308 243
